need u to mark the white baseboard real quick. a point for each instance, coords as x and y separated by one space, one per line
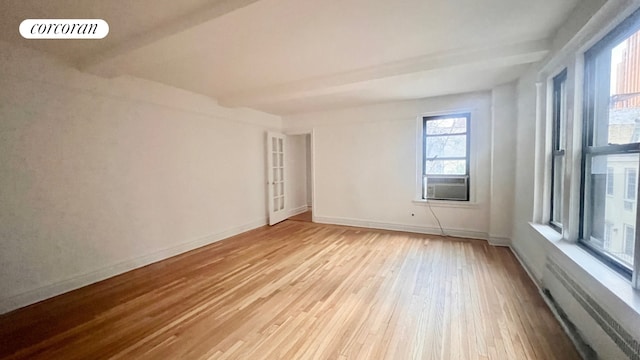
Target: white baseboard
297 211
522 260
577 341
499 241
51 290
470 234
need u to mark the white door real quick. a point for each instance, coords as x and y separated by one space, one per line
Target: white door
275 177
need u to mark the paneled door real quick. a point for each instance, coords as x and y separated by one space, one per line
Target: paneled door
275 177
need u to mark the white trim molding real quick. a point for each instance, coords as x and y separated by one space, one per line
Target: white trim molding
499 241
461 233
51 290
297 211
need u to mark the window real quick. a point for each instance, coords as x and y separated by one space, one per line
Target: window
630 186
445 171
611 146
629 242
557 157
610 179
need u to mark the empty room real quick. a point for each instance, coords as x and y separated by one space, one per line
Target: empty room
306 179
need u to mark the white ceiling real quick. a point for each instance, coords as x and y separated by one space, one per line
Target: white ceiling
286 56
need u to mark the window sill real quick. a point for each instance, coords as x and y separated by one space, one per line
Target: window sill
611 281
447 204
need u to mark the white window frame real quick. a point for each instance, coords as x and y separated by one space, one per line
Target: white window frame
476 117
590 149
558 145
466 158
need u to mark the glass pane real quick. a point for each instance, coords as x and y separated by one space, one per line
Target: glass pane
279 145
275 190
610 180
629 240
275 174
612 214
559 111
445 167
446 146
558 189
280 160
619 123
447 126
630 183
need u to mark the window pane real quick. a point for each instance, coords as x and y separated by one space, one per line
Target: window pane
630 183
445 167
629 241
610 180
609 214
617 103
558 189
446 146
447 126
559 110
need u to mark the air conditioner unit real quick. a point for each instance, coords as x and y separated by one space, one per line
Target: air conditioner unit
447 188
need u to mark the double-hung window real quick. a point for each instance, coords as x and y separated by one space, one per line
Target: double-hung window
558 151
445 157
611 148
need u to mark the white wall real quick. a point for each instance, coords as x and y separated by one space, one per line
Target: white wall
503 145
365 166
532 251
100 176
309 173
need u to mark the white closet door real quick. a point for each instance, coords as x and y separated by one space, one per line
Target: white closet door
275 176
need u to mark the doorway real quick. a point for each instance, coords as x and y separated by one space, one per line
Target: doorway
299 177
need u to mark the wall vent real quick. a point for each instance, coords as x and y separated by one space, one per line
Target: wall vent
627 344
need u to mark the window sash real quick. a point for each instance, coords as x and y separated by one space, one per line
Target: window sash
558 151
427 136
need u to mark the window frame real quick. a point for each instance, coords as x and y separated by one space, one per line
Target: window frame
559 112
589 150
467 157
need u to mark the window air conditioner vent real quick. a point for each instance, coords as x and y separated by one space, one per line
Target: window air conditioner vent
447 188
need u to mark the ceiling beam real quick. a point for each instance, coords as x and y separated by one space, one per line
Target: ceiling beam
502 56
103 63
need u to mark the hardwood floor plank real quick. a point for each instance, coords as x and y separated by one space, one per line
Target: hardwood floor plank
300 290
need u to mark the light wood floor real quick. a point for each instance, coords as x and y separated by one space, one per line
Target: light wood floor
305 216
302 291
